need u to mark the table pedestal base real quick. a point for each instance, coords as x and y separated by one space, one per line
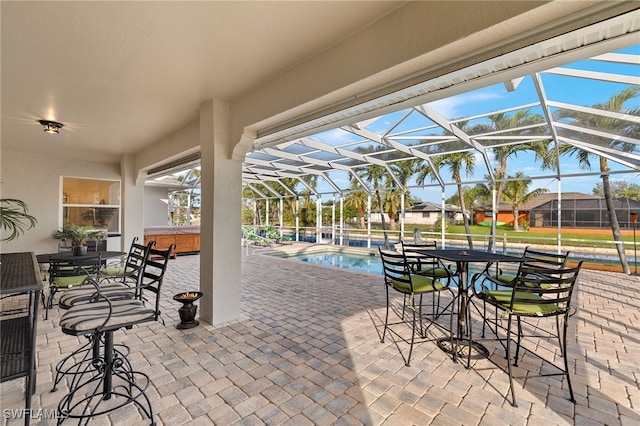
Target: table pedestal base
461 348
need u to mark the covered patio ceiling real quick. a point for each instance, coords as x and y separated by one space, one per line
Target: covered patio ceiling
540 106
555 92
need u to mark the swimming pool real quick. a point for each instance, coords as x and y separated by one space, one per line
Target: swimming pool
351 261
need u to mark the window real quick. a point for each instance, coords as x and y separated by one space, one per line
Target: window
91 202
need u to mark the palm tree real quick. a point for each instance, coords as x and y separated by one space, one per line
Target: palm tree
404 171
312 182
374 174
502 121
455 162
517 193
391 204
358 200
610 125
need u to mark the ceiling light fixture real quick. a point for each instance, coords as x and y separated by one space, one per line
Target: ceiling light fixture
52 127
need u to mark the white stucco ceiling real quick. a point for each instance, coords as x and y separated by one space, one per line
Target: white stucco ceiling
121 75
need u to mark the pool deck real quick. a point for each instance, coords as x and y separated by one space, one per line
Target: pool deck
306 352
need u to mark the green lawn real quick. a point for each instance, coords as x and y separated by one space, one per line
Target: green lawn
568 237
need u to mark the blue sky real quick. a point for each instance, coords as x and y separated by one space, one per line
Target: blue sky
570 90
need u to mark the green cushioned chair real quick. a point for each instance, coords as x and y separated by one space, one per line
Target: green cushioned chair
536 292
399 277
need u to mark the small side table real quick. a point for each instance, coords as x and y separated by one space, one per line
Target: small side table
188 310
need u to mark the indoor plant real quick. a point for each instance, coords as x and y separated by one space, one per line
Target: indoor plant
15 217
78 234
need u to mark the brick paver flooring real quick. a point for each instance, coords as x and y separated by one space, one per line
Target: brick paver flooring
307 352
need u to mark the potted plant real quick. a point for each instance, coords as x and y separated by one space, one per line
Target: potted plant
78 234
15 217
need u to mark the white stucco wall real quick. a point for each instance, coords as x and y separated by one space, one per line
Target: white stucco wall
35 179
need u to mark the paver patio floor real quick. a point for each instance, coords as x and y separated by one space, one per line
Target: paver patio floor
307 352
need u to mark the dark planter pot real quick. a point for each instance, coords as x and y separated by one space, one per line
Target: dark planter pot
79 250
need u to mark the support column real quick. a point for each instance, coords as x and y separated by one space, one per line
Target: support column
220 251
132 204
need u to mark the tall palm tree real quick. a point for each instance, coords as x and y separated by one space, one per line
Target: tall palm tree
503 121
517 193
391 204
312 182
404 171
610 125
358 200
374 175
456 162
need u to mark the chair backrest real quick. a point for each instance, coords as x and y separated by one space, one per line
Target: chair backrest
545 259
59 267
540 291
397 273
136 259
153 272
417 259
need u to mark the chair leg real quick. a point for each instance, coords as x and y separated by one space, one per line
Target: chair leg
413 329
386 317
565 356
515 361
511 388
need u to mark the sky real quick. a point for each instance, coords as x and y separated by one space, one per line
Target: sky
559 88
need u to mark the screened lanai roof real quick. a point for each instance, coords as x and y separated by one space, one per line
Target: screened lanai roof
564 105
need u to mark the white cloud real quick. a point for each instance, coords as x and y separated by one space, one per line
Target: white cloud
458 106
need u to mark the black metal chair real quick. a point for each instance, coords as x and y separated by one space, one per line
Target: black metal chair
118 280
65 274
537 292
536 258
108 373
121 281
399 277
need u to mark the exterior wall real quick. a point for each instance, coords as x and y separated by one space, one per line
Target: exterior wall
35 179
155 206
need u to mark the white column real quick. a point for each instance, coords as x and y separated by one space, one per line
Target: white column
297 219
281 214
132 204
333 220
220 250
369 221
318 219
266 212
341 219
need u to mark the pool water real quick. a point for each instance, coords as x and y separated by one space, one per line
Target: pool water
354 262
351 261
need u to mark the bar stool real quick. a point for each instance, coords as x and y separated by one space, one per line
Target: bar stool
110 374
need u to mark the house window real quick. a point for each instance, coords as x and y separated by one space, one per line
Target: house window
426 214
91 202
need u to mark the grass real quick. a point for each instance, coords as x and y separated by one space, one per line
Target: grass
576 238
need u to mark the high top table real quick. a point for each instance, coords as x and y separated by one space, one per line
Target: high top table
20 275
462 258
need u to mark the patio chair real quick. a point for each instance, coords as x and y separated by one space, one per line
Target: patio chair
119 280
399 278
537 292
502 279
66 274
538 258
108 373
126 286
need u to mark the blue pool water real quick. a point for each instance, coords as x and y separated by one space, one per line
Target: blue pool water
351 261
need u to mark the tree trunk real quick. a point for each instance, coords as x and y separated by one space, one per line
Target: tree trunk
516 225
465 220
615 227
384 228
392 221
363 225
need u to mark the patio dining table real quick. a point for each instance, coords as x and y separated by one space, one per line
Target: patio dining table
462 259
70 257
